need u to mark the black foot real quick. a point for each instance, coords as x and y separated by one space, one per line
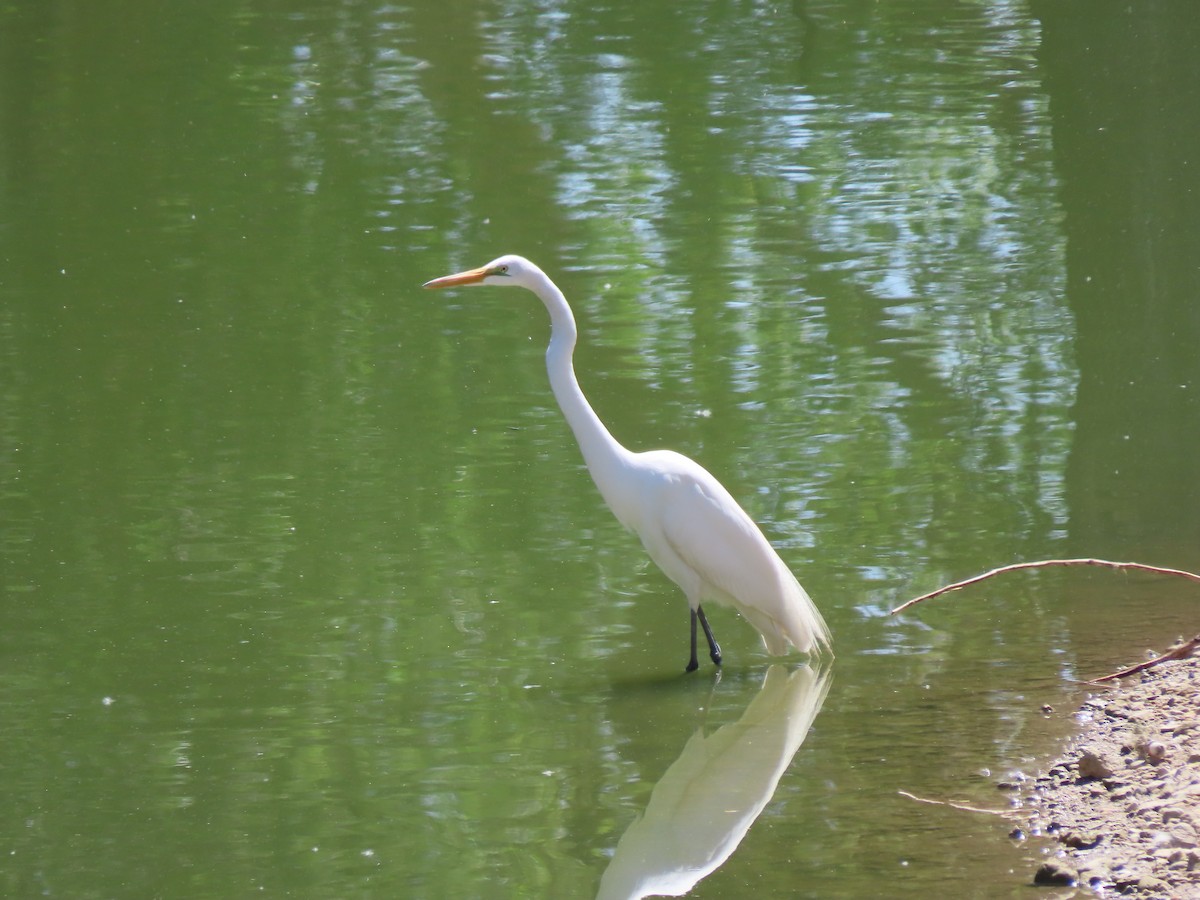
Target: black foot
692 666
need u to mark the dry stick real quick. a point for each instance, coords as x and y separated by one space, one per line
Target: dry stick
962 806
1041 564
1181 651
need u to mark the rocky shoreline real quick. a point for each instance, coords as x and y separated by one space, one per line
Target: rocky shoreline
1122 803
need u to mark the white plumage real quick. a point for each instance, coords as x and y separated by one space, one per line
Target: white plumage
689 524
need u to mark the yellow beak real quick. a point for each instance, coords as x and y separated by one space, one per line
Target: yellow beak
471 276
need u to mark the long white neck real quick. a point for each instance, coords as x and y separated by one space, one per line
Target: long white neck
601 451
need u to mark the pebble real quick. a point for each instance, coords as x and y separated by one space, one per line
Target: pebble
1183 835
1092 765
1056 872
1080 840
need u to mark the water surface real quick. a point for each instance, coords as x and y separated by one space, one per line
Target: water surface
305 588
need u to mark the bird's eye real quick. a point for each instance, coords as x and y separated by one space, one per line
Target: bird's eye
501 270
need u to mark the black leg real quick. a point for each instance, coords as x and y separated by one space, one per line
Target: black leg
693 665
714 650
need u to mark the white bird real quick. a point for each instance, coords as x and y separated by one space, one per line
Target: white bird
689 524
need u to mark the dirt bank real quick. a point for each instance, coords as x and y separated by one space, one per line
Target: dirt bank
1122 804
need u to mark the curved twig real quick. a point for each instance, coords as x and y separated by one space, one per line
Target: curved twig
1180 651
1041 564
963 806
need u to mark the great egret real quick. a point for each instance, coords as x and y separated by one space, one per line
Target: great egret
689 524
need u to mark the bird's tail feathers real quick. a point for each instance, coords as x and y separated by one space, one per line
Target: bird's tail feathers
798 624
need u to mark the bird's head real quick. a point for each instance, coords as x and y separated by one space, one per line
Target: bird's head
510 270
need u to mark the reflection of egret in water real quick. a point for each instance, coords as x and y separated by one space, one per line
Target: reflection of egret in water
707 800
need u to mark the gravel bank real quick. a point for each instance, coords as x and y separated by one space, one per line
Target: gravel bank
1122 804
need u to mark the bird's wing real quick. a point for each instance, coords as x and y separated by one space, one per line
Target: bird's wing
710 532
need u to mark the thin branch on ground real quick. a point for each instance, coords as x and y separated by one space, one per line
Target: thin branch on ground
1180 651
1043 564
964 807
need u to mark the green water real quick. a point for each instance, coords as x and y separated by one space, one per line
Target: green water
304 589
